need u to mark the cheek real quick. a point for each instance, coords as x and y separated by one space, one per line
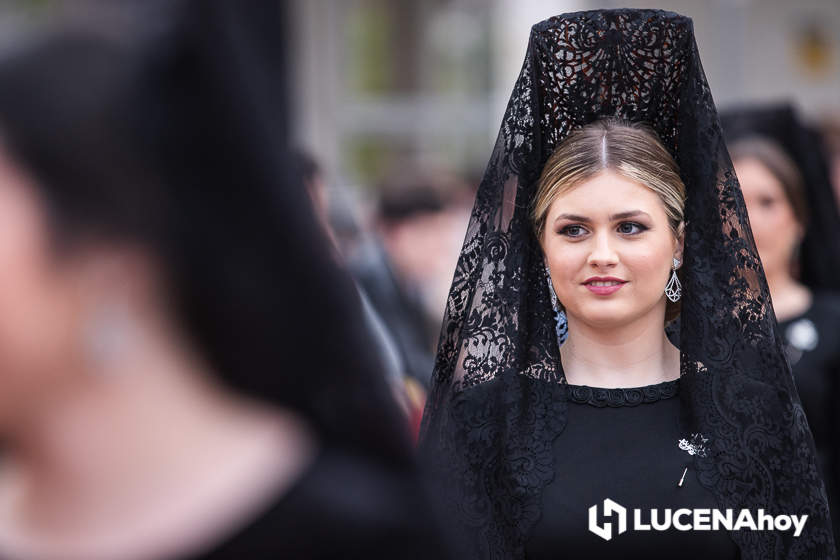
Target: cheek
566 262
33 316
773 227
648 264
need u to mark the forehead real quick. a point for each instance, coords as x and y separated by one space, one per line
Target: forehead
607 193
754 177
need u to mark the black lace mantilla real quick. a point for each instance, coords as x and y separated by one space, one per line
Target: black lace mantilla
622 396
498 400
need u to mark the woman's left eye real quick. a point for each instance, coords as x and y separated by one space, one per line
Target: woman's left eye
631 228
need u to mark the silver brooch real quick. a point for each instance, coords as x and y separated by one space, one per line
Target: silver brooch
696 446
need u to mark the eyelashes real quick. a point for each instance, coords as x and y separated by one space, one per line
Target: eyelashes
634 226
570 230
624 228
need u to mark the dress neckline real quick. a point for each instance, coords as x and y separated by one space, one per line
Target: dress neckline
622 396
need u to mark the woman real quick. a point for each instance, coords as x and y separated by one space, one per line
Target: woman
609 216
532 440
183 372
774 193
818 254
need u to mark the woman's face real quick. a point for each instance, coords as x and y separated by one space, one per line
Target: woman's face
609 248
35 312
773 223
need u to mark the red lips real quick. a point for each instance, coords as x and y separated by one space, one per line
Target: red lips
604 290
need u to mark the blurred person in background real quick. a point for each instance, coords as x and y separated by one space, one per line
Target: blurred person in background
404 256
404 263
313 180
817 256
184 369
809 319
421 216
831 133
407 391
783 166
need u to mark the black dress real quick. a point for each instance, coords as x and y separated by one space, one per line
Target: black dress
343 506
812 344
624 444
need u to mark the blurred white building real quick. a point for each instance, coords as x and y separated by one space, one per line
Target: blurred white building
379 81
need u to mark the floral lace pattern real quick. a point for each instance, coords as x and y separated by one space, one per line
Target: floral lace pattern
615 397
498 399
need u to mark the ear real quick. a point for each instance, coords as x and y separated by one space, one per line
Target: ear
680 244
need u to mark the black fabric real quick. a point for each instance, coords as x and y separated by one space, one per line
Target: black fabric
344 506
819 258
498 403
623 444
812 343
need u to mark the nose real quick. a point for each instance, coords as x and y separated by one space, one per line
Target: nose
603 254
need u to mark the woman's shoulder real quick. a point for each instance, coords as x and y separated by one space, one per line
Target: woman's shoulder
346 505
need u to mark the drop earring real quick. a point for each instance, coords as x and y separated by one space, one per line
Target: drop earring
108 334
562 324
673 290
551 291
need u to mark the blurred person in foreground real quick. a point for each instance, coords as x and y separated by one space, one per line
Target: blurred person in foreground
183 371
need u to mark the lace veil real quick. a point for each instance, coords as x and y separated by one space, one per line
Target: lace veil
498 399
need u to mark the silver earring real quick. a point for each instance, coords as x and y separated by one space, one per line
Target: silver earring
673 290
561 323
551 291
108 333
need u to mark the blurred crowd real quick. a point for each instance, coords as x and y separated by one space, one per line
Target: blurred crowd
401 249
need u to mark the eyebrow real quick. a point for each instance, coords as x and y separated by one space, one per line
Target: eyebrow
614 217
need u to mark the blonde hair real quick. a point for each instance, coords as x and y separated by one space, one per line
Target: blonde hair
632 150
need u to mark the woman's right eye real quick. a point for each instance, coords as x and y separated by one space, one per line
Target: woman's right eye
572 231
766 201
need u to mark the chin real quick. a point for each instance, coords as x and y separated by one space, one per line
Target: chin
606 314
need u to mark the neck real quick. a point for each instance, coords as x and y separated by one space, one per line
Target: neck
122 447
630 355
779 281
790 297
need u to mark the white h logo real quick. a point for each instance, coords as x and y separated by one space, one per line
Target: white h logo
610 507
